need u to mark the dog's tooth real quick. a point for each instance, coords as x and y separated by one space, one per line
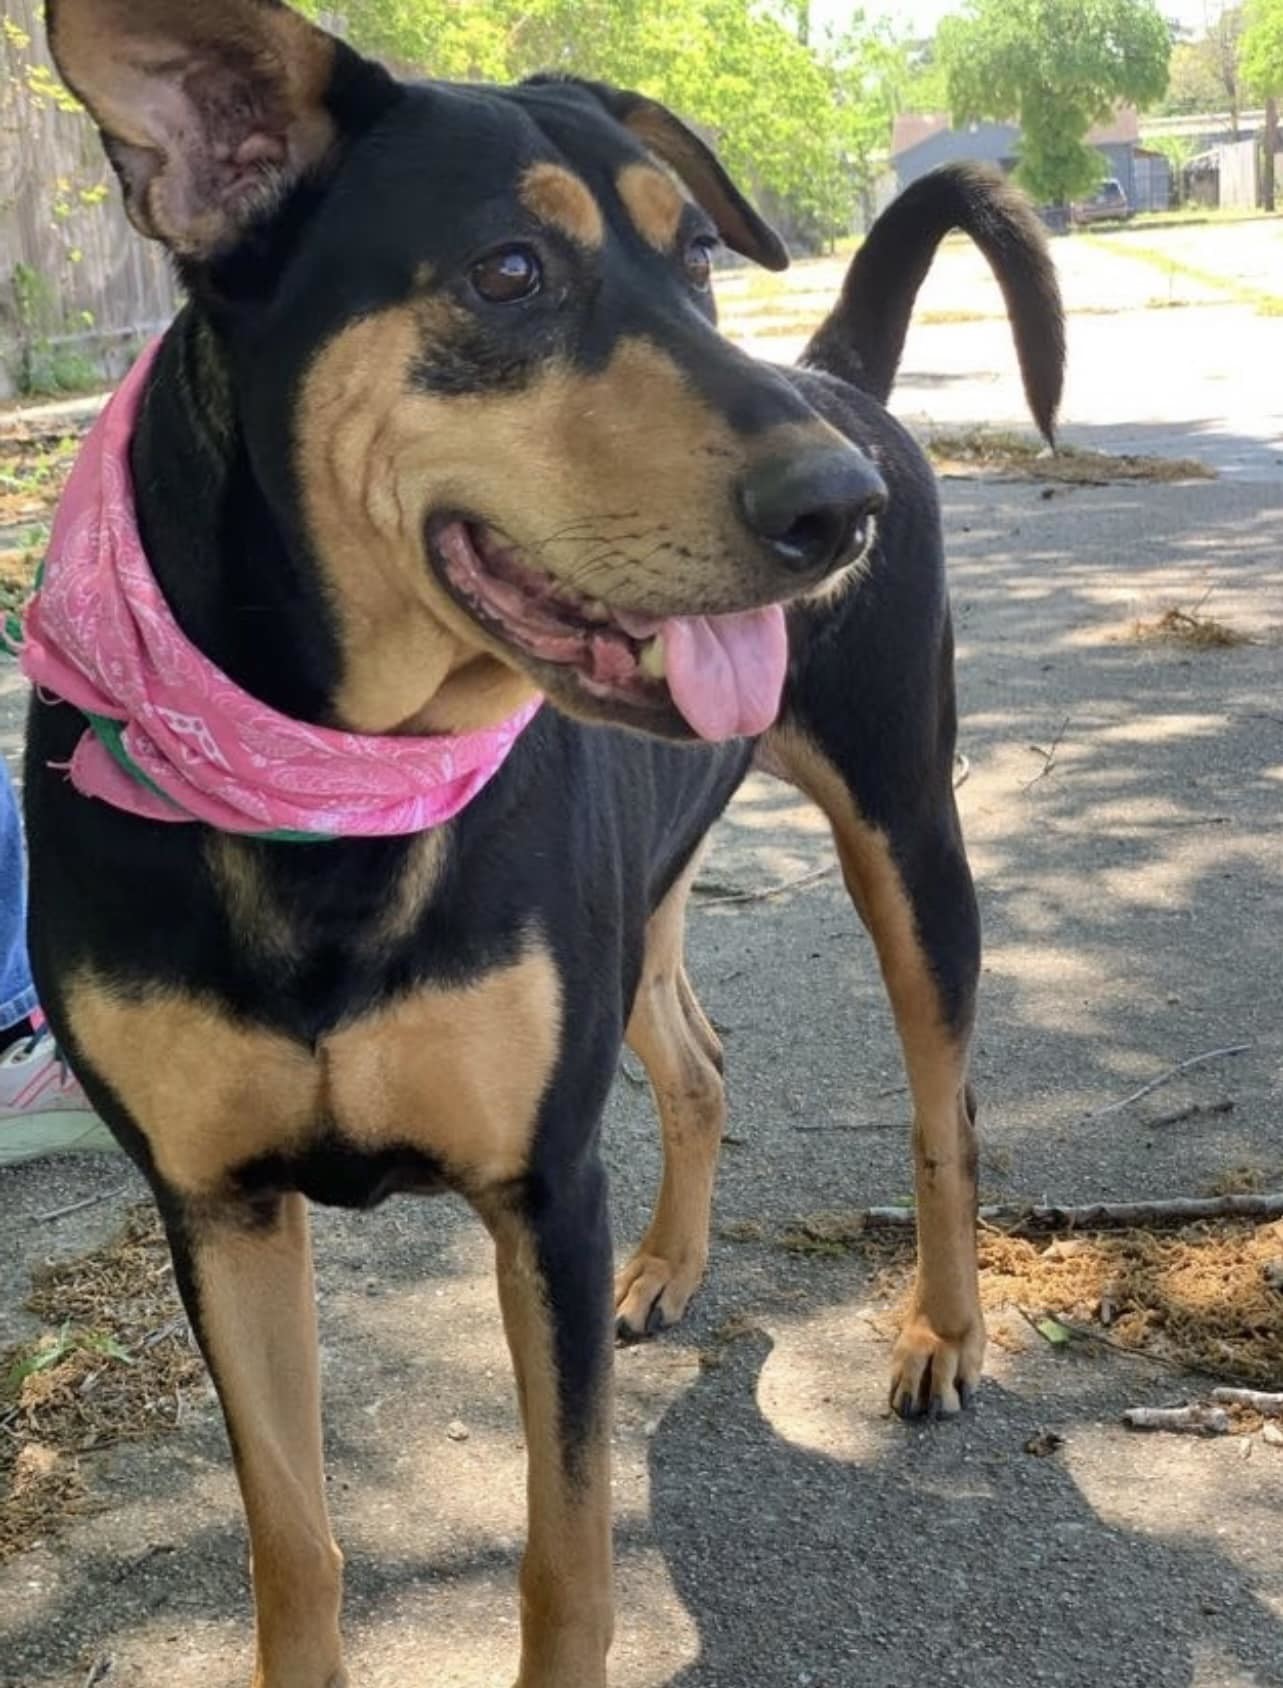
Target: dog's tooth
651 658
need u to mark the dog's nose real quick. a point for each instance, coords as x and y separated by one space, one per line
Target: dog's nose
812 509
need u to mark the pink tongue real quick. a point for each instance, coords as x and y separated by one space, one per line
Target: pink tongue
726 672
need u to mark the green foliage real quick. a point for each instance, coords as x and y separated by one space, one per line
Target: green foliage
1205 72
795 116
1195 84
1261 48
1177 150
47 365
1056 67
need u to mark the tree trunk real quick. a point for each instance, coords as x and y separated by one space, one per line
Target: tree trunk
1271 151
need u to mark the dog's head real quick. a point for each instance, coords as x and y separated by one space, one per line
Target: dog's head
473 350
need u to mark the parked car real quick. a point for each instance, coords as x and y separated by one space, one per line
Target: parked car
1107 205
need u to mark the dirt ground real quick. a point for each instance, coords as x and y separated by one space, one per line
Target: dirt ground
774 1527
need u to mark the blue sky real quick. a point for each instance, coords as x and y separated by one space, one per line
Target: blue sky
921 16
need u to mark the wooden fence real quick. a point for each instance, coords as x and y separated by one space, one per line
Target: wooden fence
79 288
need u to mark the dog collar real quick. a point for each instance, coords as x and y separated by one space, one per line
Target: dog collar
171 737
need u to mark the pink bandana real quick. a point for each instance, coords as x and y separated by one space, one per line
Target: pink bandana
172 738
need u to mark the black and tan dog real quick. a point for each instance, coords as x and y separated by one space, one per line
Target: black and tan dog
446 422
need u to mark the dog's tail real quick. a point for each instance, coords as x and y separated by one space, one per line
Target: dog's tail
862 339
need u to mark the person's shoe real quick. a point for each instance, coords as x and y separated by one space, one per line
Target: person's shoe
43 1111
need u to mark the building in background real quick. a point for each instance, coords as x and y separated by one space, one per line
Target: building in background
920 142
1157 161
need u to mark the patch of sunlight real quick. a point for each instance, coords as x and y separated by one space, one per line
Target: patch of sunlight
1163 729
1176 1487
1213 1665
1171 883
1045 964
822 1386
655 1636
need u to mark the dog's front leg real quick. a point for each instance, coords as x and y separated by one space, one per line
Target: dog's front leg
553 1259
246 1278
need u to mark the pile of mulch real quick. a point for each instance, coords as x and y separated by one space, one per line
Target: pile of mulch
1012 456
115 1363
1206 1297
1178 626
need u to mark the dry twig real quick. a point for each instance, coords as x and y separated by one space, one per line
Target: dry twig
1163 1078
77 1207
1018 1217
766 891
1049 755
1206 1421
1266 1402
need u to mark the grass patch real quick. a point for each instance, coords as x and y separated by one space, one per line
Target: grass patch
944 319
1025 457
33 470
1262 301
34 465
114 1364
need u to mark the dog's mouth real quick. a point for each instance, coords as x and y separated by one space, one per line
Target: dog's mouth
724 674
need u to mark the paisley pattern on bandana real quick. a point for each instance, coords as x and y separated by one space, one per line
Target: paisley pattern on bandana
171 737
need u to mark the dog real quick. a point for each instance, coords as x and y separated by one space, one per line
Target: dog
446 432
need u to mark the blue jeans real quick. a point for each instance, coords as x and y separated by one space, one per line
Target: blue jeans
17 993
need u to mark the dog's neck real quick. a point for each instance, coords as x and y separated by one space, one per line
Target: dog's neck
237 588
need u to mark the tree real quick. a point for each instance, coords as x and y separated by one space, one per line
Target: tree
1056 67
1177 150
795 112
1261 47
1222 48
1261 57
1194 85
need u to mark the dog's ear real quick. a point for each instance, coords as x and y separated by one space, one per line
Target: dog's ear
209 112
681 149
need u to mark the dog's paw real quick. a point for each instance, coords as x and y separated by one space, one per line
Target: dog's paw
651 1293
934 1376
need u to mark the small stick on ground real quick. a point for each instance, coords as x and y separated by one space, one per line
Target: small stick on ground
1049 755
1020 1218
1262 1401
766 891
1196 1110
1163 1078
1206 1421
77 1207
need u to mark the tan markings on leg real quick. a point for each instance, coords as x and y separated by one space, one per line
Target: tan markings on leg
261 926
208 1092
942 1344
654 203
258 1323
566 1577
564 201
459 1074
671 1036
553 467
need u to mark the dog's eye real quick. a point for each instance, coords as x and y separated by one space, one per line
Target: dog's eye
508 275
699 262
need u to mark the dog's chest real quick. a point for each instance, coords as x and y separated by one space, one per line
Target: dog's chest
454 1076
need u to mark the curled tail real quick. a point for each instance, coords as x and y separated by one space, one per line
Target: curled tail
862 338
